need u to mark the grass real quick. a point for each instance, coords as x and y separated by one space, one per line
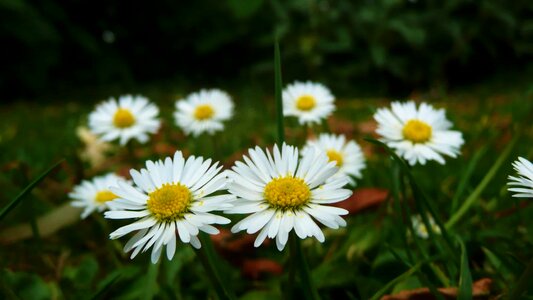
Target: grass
373 256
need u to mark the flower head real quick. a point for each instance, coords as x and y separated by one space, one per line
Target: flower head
282 193
95 194
522 186
347 155
171 196
129 117
420 228
203 111
418 134
310 102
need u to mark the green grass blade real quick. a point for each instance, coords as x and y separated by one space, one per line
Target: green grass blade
151 281
101 293
524 282
420 200
277 93
6 209
481 187
466 177
395 281
465 281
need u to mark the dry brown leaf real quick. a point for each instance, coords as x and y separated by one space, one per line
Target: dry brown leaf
480 290
362 199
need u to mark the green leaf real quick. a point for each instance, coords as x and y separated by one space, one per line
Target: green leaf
151 281
26 191
466 177
465 281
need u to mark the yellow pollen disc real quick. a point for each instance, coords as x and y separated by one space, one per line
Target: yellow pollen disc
306 103
417 131
169 202
123 118
287 193
104 196
204 112
334 155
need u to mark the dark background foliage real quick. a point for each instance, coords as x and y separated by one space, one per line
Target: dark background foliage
383 47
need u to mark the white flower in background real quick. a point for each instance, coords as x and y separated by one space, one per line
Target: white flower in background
129 117
347 155
418 134
310 102
95 194
171 197
522 186
283 193
420 228
203 111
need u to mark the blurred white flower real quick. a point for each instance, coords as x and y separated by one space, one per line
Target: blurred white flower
522 186
203 111
129 117
346 154
418 134
310 102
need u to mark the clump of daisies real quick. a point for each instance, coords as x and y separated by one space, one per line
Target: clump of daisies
171 199
308 101
418 134
284 193
129 117
346 154
204 111
95 195
522 186
421 229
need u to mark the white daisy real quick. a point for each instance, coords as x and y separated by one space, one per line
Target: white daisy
347 155
421 229
418 134
310 102
95 194
129 117
171 197
282 193
524 183
203 111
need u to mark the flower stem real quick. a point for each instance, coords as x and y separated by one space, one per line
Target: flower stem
207 256
298 257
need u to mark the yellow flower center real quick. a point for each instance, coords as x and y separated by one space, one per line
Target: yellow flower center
169 202
123 118
417 131
204 112
104 196
287 193
335 155
306 103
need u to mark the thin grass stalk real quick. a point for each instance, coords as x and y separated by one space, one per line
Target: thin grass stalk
523 282
209 260
482 185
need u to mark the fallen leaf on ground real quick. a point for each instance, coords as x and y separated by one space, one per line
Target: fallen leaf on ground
362 199
480 290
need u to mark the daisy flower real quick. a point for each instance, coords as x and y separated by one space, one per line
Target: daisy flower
523 185
347 155
129 117
171 198
418 134
95 194
203 111
310 102
283 193
421 229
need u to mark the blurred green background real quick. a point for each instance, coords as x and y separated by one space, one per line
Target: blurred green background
380 47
